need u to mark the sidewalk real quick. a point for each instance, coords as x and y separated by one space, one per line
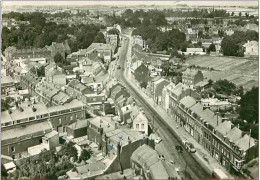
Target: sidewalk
201 155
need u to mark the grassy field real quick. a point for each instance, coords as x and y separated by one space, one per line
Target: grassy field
241 71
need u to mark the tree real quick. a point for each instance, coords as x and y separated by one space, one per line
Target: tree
249 106
224 87
113 31
184 46
69 150
247 15
58 58
143 85
100 38
199 43
212 48
221 33
200 34
85 155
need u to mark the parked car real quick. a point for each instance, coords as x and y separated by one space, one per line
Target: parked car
190 147
157 140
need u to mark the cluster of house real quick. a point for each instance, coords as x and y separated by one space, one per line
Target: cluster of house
57 106
115 140
76 20
225 142
9 23
192 34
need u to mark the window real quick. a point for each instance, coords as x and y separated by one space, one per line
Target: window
31 118
142 126
71 117
59 120
137 126
64 129
216 155
18 122
12 149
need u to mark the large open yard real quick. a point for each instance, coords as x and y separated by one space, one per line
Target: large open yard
240 71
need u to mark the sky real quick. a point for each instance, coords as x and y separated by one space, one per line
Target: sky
126 3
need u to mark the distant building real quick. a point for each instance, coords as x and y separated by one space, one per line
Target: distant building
251 48
138 40
54 74
191 77
13 53
142 74
193 51
60 48
105 51
158 87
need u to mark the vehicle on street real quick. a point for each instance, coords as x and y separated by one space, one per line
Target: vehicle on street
118 67
189 146
157 140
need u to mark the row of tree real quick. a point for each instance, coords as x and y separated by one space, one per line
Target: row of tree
160 41
39 33
197 13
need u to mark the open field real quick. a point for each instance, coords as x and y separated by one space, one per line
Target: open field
241 71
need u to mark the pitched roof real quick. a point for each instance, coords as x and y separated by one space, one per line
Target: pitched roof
224 127
191 72
245 143
234 134
179 88
188 101
6 80
148 158
208 115
141 117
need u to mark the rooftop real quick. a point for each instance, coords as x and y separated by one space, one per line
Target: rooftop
188 101
21 133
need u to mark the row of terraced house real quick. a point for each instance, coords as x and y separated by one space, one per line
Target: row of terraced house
225 142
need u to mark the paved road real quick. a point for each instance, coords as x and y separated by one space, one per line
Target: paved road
167 146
